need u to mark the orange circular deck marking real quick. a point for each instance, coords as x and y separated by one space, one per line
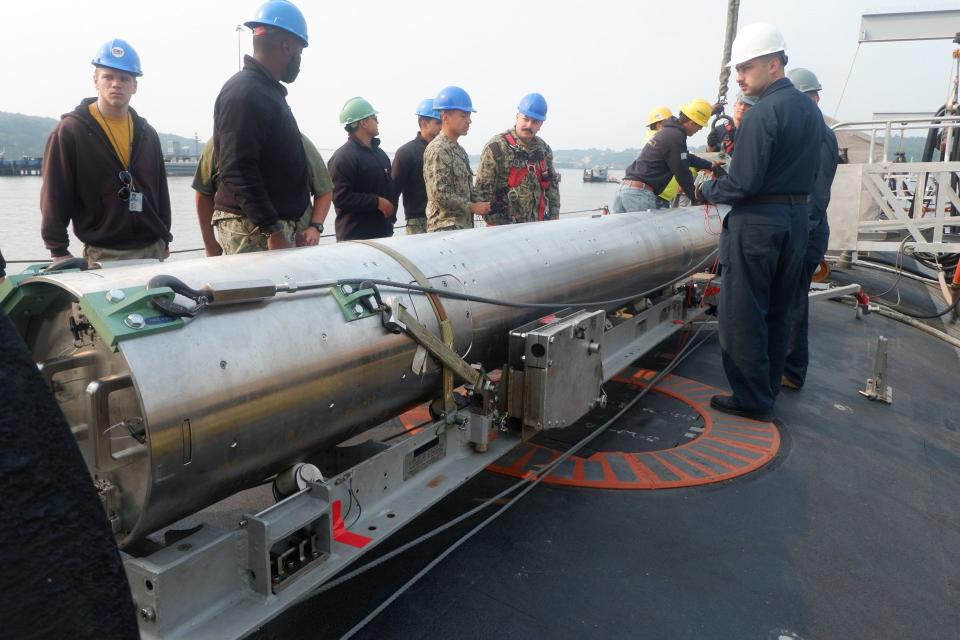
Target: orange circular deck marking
415 419
727 448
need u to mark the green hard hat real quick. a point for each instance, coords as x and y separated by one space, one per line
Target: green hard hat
804 80
355 110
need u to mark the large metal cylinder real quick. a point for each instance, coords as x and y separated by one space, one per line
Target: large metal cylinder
243 391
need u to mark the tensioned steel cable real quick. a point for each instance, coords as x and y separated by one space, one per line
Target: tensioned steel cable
539 476
847 81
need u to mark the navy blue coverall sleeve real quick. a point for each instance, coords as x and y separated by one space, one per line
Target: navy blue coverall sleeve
829 157
755 141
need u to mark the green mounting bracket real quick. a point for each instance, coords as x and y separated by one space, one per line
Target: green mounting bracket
19 300
118 314
351 302
121 314
39 268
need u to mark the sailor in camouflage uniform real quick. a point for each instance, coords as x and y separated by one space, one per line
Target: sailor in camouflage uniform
451 201
516 171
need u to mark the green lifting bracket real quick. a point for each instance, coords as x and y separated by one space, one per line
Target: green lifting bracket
20 300
121 314
116 315
355 304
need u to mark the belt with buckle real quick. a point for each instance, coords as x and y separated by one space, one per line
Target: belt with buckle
638 184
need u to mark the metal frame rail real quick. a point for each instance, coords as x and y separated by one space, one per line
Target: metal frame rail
875 206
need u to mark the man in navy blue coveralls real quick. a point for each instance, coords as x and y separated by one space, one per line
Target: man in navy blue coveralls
765 234
798 357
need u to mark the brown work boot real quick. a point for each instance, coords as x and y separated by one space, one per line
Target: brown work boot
787 383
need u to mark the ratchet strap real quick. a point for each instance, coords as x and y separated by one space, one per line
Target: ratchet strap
446 328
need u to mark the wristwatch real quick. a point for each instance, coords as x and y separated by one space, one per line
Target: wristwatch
272 229
318 226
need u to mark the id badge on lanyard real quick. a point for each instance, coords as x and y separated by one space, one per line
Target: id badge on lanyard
128 192
136 201
134 198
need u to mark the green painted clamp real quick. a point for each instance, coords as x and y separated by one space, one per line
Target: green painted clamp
351 302
121 314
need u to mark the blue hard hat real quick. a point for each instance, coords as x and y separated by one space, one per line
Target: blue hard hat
282 15
118 54
453 98
425 109
533 105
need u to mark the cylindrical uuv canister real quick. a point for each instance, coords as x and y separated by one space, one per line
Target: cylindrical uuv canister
173 416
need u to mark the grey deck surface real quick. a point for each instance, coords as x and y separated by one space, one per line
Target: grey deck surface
852 532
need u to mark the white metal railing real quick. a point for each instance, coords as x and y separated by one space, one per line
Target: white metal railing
874 128
878 205
875 206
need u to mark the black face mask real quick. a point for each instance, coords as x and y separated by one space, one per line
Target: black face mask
292 70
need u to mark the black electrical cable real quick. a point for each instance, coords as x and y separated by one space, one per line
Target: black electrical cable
945 262
930 316
540 475
543 472
456 295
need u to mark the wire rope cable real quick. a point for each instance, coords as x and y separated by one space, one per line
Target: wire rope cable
456 295
539 476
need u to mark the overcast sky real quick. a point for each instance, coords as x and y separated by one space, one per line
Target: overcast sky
601 65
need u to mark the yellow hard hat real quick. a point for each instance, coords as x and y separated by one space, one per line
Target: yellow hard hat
658 114
698 110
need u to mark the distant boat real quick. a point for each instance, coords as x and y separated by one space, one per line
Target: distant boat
181 167
597 174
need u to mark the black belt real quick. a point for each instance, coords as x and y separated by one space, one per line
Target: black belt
776 198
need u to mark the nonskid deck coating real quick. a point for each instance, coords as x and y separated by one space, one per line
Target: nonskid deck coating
728 447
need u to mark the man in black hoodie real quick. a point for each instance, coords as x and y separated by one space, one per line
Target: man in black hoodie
103 170
664 157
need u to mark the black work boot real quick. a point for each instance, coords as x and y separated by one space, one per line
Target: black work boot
726 404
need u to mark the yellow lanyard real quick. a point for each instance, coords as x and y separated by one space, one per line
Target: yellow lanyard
116 143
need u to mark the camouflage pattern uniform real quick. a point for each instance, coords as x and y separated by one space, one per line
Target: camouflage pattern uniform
155 251
522 203
449 181
236 234
416 226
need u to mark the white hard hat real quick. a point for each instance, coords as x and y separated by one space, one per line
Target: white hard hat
755 40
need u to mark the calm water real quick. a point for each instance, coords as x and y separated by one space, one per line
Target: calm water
20 213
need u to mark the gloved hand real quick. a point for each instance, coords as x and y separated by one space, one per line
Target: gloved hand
697 197
713 139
